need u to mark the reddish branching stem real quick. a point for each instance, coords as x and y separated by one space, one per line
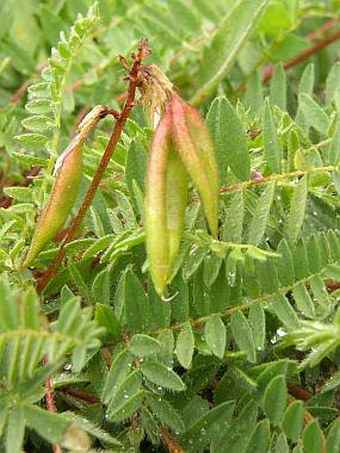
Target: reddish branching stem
115 136
169 441
88 397
268 71
49 402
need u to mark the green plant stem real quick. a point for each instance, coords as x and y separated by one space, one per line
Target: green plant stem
115 137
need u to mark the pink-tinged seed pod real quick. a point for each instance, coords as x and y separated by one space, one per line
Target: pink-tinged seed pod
165 203
155 212
193 144
181 146
60 202
68 171
176 201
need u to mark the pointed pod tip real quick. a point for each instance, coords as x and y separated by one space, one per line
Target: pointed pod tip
159 283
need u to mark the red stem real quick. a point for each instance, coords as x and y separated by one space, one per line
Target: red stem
115 136
268 71
50 403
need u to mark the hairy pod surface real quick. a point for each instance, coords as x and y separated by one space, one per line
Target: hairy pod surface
176 201
68 171
60 202
195 148
181 146
155 212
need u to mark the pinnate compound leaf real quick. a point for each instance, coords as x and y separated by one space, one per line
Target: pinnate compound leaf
185 345
215 335
162 376
274 402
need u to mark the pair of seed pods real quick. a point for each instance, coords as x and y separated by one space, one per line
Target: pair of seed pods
180 148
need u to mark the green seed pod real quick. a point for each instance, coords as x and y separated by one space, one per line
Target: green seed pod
194 146
68 171
181 146
165 203
176 201
155 212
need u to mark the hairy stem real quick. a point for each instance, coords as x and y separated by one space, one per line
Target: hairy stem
115 137
50 403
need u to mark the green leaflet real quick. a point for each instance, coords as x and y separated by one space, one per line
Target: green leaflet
215 335
231 35
274 402
162 376
312 437
292 421
185 345
297 210
258 224
229 139
68 170
243 335
278 88
272 145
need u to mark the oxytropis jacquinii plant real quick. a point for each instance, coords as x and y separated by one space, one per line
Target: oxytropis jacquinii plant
180 147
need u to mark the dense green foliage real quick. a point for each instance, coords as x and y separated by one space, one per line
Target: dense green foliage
244 357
